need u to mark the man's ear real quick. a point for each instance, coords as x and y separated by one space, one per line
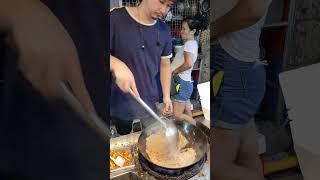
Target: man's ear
194 31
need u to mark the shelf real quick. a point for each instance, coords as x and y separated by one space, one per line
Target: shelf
275 25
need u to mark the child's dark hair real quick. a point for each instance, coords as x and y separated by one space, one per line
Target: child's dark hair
198 22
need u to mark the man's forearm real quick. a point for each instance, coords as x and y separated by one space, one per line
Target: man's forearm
243 15
165 77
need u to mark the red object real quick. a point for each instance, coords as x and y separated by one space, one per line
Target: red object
195 75
262 159
175 31
274 41
285 11
278 45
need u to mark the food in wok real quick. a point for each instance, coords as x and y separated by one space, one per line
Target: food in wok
161 153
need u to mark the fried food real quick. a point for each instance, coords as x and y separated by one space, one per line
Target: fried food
159 151
125 153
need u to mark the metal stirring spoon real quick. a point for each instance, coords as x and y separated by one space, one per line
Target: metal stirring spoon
171 129
91 119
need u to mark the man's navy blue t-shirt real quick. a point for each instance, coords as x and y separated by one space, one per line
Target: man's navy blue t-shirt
141 47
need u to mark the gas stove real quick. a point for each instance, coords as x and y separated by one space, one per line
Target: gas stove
199 171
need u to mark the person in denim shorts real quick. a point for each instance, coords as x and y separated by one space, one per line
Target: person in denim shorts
241 91
182 66
235 54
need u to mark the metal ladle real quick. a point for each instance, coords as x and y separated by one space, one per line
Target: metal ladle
92 119
171 129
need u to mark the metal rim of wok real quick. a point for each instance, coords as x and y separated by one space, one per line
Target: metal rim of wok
165 173
198 140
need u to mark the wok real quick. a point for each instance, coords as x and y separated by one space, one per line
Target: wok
196 139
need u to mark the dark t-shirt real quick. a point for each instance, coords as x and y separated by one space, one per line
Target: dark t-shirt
141 47
42 140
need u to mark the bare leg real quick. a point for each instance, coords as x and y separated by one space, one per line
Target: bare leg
225 147
187 110
248 152
178 109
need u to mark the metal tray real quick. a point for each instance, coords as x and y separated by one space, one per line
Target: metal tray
125 142
131 165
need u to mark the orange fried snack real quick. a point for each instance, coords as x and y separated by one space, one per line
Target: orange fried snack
125 153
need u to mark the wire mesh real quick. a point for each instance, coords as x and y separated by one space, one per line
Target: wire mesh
180 10
130 2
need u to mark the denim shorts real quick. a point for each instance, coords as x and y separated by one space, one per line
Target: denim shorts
184 92
241 91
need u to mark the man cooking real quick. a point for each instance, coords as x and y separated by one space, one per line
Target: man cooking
140 48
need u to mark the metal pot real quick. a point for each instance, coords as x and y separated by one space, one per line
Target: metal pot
196 138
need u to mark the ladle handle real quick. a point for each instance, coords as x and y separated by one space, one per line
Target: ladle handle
91 119
113 159
146 107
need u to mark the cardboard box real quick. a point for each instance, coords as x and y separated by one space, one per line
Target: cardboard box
301 92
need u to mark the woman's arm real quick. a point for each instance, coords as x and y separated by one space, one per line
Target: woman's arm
187 64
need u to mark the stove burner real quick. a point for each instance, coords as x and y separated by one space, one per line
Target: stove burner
171 174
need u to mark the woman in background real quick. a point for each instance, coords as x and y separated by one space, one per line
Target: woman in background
182 66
